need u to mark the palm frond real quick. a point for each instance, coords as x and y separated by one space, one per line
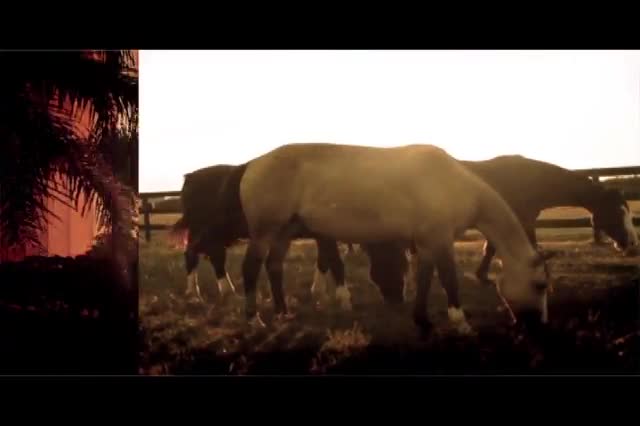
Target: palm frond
103 84
42 95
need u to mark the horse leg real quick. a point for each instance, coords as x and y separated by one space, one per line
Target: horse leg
218 256
445 262
274 267
191 264
387 264
410 269
253 260
482 273
530 230
336 287
599 236
319 286
423 285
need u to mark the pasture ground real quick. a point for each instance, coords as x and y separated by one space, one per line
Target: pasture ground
594 312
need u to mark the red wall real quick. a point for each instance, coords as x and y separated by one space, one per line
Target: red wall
70 236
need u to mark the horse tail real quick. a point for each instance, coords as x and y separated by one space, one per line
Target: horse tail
179 234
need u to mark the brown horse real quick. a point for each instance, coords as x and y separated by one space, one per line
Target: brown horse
213 220
530 186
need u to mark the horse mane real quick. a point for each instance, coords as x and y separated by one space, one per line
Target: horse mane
211 201
613 196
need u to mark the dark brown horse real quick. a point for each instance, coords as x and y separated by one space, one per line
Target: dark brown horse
213 220
528 186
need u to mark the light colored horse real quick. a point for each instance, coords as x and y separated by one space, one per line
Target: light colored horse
412 194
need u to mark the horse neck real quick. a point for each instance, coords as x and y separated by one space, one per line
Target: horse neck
498 223
569 189
554 186
588 195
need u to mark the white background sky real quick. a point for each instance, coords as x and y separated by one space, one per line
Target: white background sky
577 109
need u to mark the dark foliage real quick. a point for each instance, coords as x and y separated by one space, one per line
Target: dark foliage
41 136
66 316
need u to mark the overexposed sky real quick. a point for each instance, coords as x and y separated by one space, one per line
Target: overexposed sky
577 109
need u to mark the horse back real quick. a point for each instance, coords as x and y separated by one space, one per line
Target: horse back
315 181
528 185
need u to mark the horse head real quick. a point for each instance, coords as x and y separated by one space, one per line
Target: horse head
523 288
613 216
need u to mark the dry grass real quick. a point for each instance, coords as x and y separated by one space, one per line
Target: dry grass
594 312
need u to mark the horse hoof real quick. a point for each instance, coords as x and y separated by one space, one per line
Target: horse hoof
459 321
256 322
344 298
194 299
465 329
264 297
284 317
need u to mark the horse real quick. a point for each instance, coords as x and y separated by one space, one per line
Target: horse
548 185
413 195
213 221
528 186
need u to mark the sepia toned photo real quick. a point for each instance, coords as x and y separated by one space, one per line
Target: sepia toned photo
389 212
210 213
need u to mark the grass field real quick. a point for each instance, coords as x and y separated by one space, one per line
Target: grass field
594 312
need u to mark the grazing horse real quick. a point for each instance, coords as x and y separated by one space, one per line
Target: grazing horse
416 194
213 217
213 220
528 186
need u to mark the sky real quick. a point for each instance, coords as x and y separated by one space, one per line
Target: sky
576 109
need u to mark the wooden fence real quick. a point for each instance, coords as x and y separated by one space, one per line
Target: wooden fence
595 174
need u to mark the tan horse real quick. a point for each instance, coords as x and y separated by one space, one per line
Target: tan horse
412 194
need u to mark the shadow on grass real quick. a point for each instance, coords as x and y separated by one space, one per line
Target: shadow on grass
594 328
599 339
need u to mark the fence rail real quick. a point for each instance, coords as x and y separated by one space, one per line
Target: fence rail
147 208
610 171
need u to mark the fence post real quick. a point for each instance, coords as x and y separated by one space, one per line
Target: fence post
146 210
598 234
